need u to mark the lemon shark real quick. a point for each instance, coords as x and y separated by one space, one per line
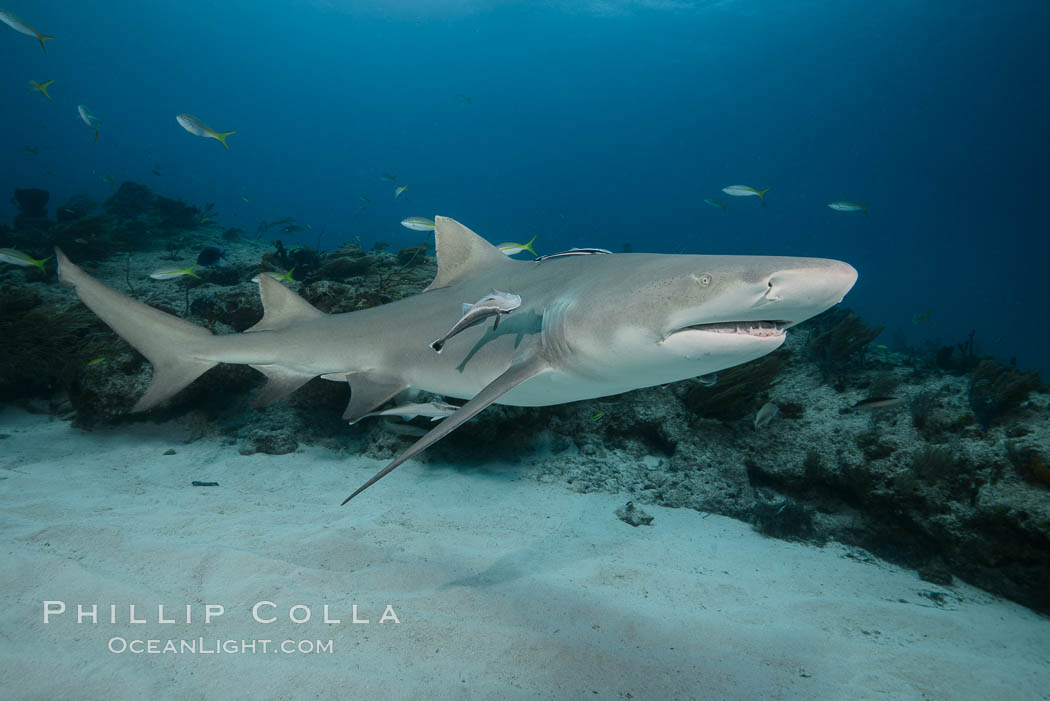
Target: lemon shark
588 326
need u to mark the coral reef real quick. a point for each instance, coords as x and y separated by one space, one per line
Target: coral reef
130 200
736 392
960 358
175 214
842 340
32 214
995 391
1029 463
633 516
347 262
269 442
76 207
41 346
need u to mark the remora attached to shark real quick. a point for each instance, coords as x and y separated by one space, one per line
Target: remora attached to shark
497 304
588 326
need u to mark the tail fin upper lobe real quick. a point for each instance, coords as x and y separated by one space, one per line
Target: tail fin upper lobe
174 347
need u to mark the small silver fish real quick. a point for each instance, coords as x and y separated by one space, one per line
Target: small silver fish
418 223
88 118
844 206
576 252
878 403
766 414
23 28
435 410
10 255
173 273
511 248
746 191
496 304
195 126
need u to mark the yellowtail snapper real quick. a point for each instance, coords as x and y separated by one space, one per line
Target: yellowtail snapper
418 223
746 191
172 273
511 248
23 28
10 255
198 128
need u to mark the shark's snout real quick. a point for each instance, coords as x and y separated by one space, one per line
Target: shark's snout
840 279
800 292
764 303
849 277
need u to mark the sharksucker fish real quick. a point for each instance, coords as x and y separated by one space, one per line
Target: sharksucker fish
435 411
575 252
590 326
496 304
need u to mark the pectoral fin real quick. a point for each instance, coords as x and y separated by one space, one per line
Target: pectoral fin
368 390
514 376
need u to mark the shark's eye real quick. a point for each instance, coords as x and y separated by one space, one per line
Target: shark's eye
704 280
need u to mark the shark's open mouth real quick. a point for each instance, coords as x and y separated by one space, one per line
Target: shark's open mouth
760 329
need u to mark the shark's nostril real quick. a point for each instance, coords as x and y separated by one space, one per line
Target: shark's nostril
770 295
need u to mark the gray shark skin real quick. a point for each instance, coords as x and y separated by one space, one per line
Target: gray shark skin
588 326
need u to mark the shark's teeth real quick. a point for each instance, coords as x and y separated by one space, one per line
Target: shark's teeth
761 329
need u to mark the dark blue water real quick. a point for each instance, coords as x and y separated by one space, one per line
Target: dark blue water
602 125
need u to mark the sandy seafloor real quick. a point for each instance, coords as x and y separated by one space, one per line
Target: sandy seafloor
504 587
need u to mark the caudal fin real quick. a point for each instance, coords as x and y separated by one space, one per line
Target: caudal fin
42 87
762 195
528 246
176 348
221 136
42 38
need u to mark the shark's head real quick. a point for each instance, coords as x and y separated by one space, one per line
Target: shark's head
670 317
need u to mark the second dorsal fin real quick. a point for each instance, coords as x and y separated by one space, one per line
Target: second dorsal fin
281 306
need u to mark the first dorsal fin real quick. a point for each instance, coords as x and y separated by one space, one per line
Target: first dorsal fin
281 306
461 252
